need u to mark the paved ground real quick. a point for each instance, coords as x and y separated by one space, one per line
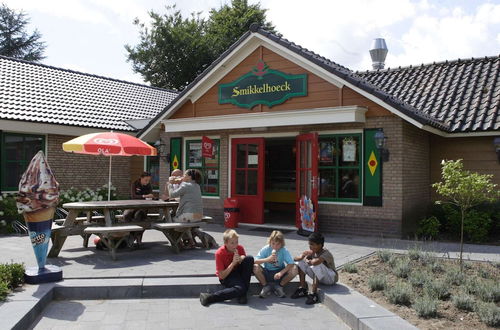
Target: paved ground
271 313
155 257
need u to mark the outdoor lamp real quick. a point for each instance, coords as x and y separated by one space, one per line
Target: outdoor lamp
162 150
496 143
380 143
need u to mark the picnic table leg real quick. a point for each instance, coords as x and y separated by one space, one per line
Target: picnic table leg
174 238
107 218
59 237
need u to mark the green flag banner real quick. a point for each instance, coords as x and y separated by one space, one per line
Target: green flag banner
175 153
372 170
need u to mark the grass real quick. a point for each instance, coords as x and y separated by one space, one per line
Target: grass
399 294
426 307
464 302
377 282
414 253
384 255
489 313
437 289
351 267
419 278
402 268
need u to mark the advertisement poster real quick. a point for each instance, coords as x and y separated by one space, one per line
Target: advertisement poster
326 152
195 156
348 150
207 147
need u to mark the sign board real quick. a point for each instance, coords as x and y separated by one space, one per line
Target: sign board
263 86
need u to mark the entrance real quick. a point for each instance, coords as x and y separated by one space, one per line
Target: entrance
279 195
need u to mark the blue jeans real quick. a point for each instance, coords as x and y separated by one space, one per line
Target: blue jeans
237 282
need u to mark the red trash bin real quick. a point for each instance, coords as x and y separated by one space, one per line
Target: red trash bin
231 213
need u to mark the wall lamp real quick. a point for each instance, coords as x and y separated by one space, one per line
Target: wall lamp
162 150
496 143
380 143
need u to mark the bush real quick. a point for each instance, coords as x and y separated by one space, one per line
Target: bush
418 279
470 286
437 289
428 228
86 195
455 276
377 283
351 267
463 302
12 274
393 260
488 291
489 313
414 253
477 224
427 258
426 306
384 255
402 268
484 273
436 267
4 290
399 294
8 213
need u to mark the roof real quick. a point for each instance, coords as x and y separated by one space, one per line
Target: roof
469 93
464 94
40 93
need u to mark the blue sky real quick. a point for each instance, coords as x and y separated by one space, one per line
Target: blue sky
89 35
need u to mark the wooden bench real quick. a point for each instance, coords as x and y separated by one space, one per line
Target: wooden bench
174 231
94 218
109 235
58 228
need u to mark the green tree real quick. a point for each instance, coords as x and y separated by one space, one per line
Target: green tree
174 50
464 189
15 41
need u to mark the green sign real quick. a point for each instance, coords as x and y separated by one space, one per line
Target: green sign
263 86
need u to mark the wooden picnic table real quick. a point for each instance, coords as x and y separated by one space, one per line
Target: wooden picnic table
71 227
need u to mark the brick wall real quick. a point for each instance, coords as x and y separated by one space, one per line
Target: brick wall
82 171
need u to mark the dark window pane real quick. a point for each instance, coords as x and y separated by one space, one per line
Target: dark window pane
13 174
349 183
327 183
240 182
210 181
252 183
241 156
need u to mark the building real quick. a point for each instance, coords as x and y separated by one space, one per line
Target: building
42 106
295 135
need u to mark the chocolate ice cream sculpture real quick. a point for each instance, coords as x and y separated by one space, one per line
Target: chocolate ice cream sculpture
37 200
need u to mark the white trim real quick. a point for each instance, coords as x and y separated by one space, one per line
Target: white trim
346 114
264 135
340 131
17 126
210 197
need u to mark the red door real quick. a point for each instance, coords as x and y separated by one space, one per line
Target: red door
307 183
247 178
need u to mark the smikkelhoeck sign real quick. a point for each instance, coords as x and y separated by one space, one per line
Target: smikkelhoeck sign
263 86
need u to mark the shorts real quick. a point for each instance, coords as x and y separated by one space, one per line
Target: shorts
269 275
324 274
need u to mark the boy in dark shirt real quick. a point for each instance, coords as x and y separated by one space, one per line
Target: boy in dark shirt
234 269
140 189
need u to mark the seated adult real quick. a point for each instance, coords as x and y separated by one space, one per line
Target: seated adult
176 177
140 189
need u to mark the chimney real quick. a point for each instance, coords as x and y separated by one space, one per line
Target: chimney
378 52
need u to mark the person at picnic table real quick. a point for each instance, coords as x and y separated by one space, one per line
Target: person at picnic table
140 189
274 266
233 268
317 263
176 178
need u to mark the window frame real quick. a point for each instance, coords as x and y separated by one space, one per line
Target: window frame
25 162
337 168
203 168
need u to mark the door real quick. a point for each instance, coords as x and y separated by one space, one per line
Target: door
247 178
307 183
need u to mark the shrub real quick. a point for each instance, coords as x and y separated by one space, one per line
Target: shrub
402 268
4 290
489 313
399 294
12 274
8 213
428 228
437 289
5 274
488 291
477 224
418 279
426 306
436 267
384 255
463 301
393 260
414 253
351 267
427 258
377 283
455 276
470 286
484 273
85 195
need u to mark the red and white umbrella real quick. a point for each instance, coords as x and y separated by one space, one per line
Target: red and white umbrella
109 144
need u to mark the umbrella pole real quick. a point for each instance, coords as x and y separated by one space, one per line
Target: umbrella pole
109 179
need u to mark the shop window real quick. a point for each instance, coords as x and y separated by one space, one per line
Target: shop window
153 167
340 168
208 166
17 152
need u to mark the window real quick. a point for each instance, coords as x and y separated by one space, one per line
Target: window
17 152
153 167
209 167
340 168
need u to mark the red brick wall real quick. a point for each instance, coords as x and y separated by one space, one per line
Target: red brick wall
82 171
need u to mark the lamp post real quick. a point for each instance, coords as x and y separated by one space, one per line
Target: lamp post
380 143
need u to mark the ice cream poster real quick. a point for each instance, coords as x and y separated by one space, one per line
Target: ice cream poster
307 214
37 200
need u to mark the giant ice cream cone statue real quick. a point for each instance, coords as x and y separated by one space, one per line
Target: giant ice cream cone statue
37 200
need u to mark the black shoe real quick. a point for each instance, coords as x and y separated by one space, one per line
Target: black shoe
312 298
243 299
299 293
205 298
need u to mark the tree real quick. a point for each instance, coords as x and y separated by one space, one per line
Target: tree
174 50
464 189
15 41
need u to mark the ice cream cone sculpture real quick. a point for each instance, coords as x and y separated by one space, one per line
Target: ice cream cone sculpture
37 200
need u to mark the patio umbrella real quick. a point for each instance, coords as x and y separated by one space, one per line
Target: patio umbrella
109 144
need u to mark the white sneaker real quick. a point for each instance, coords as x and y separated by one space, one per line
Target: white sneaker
278 291
266 291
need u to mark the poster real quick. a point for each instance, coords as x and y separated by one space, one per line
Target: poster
207 147
348 150
326 152
194 156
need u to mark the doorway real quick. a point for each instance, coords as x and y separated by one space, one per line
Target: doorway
280 176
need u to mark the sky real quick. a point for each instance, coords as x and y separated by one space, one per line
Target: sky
89 35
